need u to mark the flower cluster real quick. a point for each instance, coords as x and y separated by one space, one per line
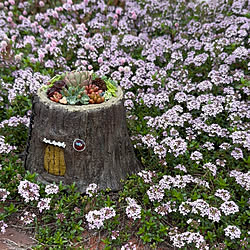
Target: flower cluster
44 204
96 218
133 210
28 218
156 192
200 207
232 232
51 189
3 194
92 189
223 194
14 121
180 240
29 191
212 168
129 246
229 207
243 179
166 208
146 175
186 87
5 148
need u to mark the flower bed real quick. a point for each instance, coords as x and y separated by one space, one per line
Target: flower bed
184 70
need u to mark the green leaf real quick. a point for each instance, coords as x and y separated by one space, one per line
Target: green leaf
56 78
107 95
111 87
72 100
84 100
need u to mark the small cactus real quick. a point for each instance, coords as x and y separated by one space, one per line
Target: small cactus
78 78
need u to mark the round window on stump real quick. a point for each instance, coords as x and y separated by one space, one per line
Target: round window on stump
79 145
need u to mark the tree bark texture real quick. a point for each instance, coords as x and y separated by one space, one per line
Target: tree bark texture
108 156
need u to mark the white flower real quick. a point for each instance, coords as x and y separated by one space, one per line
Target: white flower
51 189
232 232
133 210
91 189
229 207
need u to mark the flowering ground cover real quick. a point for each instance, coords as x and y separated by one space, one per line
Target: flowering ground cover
183 66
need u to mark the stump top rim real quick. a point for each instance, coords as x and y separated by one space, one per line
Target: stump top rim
113 100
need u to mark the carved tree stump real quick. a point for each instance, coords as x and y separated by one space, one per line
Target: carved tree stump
82 144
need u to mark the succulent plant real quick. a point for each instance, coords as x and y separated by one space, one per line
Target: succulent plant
78 78
75 95
57 87
111 89
63 100
95 94
77 87
56 97
100 83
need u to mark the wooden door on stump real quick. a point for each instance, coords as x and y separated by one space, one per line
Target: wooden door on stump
54 162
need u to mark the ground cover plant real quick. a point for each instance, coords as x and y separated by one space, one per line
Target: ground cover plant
183 66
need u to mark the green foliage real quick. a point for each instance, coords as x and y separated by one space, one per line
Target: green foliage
75 95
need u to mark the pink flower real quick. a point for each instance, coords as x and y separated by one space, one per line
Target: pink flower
114 235
41 30
28 190
86 46
3 45
129 246
41 4
122 60
118 11
134 16
100 60
12 2
9 19
237 153
115 23
229 207
60 216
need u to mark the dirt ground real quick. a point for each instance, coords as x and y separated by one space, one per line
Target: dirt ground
19 237
15 239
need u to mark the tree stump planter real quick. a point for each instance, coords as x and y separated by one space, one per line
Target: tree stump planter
82 144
